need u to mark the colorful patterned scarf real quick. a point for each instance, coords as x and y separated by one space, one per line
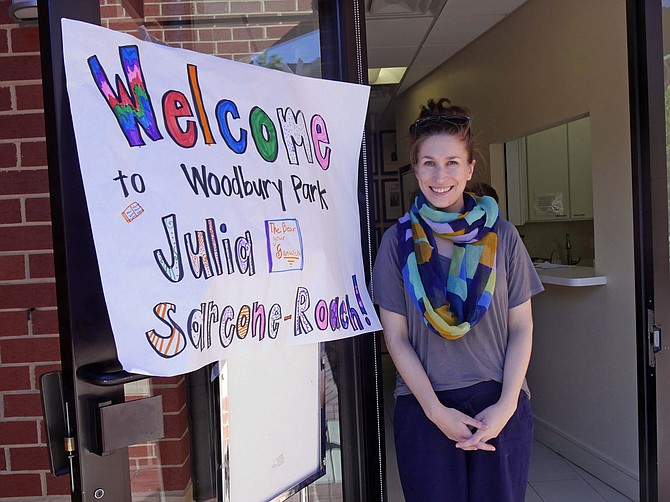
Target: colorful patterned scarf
450 305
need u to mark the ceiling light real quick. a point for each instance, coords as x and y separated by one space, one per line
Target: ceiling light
23 12
385 76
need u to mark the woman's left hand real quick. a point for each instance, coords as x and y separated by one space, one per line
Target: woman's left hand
495 417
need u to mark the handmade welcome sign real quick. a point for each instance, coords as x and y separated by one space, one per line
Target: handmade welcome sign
222 199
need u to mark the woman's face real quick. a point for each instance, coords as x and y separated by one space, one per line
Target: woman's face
442 171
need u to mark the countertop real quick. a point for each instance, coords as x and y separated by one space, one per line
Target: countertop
564 275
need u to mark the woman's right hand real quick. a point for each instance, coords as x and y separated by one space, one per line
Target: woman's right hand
458 426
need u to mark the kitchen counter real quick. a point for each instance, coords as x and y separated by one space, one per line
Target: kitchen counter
564 275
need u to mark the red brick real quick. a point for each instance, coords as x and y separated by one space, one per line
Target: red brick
41 266
248 33
174 452
179 35
246 7
21 67
144 450
4 13
30 350
3 462
24 182
38 209
208 7
29 125
29 97
41 369
8 155
25 238
10 211
277 32
202 47
45 322
110 11
58 486
30 458
233 48
171 382
145 481
20 485
173 399
12 267
25 39
279 6
14 378
33 154
4 41
175 425
5 99
151 10
215 34
176 478
15 296
23 406
13 323
18 432
176 9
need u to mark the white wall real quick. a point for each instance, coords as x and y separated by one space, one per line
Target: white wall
549 62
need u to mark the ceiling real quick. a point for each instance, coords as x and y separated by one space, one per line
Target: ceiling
421 35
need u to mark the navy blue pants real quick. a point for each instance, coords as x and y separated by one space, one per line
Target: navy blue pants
432 469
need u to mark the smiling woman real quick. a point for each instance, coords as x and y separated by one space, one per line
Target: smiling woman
452 267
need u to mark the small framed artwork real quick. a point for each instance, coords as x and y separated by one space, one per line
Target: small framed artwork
391 200
409 187
388 153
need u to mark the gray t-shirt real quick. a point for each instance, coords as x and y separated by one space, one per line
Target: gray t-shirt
478 356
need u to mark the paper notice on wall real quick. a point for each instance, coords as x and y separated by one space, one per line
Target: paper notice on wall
222 198
549 204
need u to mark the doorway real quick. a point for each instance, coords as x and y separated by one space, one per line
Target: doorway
545 64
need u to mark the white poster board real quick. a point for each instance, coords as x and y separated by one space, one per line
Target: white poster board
273 424
222 198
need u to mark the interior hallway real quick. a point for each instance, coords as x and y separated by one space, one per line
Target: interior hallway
552 478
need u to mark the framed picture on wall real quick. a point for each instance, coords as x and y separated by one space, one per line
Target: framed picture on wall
375 203
391 200
388 153
409 187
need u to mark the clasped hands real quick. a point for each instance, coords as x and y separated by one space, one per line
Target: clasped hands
472 433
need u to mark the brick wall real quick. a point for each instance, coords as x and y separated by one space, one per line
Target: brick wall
29 344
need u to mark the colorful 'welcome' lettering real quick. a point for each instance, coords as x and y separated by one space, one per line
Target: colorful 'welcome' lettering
131 109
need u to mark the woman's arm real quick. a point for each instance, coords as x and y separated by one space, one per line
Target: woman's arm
517 357
454 424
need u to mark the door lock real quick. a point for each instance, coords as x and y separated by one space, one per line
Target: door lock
656 339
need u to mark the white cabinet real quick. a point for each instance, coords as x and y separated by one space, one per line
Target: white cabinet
515 181
548 179
558 173
579 160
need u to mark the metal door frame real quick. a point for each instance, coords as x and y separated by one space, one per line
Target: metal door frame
91 372
647 117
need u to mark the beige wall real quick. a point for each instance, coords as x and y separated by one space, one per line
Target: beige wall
545 64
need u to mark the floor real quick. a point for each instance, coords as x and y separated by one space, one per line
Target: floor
552 478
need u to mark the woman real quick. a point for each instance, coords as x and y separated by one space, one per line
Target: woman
453 282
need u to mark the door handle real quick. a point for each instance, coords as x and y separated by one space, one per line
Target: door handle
107 374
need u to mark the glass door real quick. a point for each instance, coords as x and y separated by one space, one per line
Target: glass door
649 50
304 37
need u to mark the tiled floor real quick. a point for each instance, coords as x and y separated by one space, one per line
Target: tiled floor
551 479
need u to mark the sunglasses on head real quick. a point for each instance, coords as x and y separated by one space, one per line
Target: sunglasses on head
432 121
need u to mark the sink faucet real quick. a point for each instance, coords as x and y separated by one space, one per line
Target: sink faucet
568 251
